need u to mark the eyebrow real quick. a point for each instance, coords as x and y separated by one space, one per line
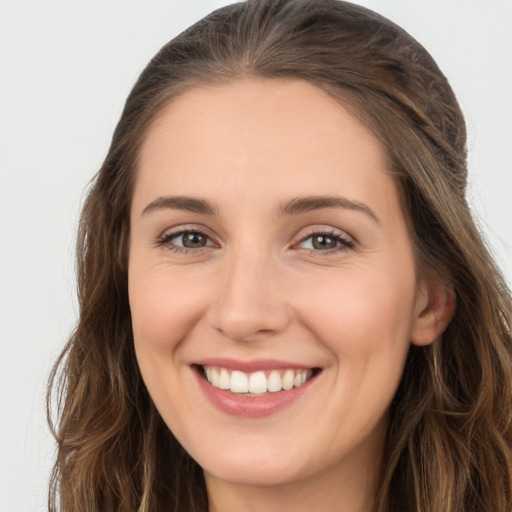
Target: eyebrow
190 204
294 206
308 203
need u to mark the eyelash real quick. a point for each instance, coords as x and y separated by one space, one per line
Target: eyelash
343 243
165 241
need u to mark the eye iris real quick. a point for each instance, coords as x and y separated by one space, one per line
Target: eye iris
194 240
324 242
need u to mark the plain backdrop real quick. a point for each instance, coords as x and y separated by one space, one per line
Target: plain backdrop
66 68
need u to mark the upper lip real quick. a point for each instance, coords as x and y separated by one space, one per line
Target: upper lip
252 365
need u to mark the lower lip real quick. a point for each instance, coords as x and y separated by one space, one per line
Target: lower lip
251 407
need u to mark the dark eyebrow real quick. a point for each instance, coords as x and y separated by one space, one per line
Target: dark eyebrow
190 204
292 207
306 204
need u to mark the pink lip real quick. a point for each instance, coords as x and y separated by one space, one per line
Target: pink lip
244 406
250 366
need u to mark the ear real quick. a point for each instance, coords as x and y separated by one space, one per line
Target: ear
434 308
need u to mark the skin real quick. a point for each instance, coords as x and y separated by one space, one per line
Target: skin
260 289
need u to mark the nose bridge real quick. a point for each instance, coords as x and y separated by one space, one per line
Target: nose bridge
249 301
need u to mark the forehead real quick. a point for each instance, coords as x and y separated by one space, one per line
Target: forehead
276 138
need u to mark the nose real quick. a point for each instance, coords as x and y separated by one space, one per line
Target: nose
250 303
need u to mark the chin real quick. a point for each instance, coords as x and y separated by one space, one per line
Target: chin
254 467
252 473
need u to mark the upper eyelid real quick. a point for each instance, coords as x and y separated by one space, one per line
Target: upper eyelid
302 235
177 234
343 244
165 241
324 230
186 228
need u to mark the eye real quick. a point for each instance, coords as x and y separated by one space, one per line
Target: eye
326 242
191 240
185 240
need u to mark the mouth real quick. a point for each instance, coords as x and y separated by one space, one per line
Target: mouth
253 389
257 383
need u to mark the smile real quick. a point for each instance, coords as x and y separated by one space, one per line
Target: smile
258 383
253 389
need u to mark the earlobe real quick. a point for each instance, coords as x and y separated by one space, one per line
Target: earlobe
435 306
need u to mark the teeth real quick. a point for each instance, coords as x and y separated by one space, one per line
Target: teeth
287 379
239 382
224 379
274 381
256 383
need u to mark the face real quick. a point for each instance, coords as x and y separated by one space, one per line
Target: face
271 281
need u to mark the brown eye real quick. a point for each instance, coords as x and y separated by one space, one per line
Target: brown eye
327 242
185 240
324 242
193 240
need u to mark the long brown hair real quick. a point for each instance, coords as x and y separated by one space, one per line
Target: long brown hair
449 444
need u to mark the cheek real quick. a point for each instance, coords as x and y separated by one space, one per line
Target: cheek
366 323
164 309
365 320
165 306
354 303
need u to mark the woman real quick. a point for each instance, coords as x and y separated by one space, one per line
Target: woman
284 301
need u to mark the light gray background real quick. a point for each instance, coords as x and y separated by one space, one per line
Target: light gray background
65 70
